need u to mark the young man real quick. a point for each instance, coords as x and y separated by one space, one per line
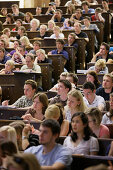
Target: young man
30 66
50 155
3 57
15 10
27 99
36 46
90 98
64 86
71 40
107 87
57 17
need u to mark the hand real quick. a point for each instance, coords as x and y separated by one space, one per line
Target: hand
27 130
27 117
5 103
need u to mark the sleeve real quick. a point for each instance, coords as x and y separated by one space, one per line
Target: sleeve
94 145
17 104
22 68
101 101
38 69
104 119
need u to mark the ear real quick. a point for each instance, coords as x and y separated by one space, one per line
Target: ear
94 91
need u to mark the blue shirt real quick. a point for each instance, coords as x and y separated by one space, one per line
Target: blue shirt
5 59
90 11
58 154
62 19
65 53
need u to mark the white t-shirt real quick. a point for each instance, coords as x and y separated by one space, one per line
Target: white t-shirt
106 119
84 147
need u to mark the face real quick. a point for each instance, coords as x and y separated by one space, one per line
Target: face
38 10
111 102
37 105
1 55
59 45
36 47
34 24
90 78
14 9
29 62
98 69
28 91
77 27
92 124
45 135
89 94
50 25
56 31
40 56
16 44
58 14
78 14
8 19
70 79
71 39
104 4
18 24
62 89
27 18
103 50
2 45
42 30
62 77
84 6
77 125
86 22
21 51
19 31
72 102
3 135
8 67
107 82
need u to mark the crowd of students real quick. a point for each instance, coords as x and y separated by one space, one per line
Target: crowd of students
79 114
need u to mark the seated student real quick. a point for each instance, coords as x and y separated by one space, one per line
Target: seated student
88 25
57 2
18 24
36 46
79 33
37 110
77 15
63 76
7 32
8 42
22 50
55 112
57 33
99 67
43 33
9 19
24 40
15 10
21 32
90 98
26 100
55 156
38 11
70 9
60 50
105 5
97 16
27 18
64 86
41 57
57 17
67 25
9 67
29 162
18 58
94 118
81 140
92 2
73 79
34 25
75 103
108 117
86 9
3 57
4 11
92 77
71 40
30 66
16 45
103 53
51 25
50 10
107 87
75 2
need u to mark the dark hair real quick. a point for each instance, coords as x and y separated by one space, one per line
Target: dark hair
106 45
96 80
37 42
30 15
32 83
21 46
87 130
60 120
60 41
15 5
86 17
11 17
43 99
85 3
89 85
59 10
30 55
1 26
66 83
53 125
8 148
19 21
74 76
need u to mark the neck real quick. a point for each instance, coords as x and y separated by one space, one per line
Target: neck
48 147
92 99
80 135
108 90
77 32
63 97
59 50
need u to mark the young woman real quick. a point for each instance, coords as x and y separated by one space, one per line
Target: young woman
92 77
25 42
9 19
21 32
28 17
41 57
51 25
94 118
80 141
108 117
9 67
75 103
37 111
57 33
55 111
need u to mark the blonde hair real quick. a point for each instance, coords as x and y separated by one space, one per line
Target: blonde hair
5 30
42 51
11 134
36 21
52 111
101 63
25 40
57 28
51 21
77 94
11 63
44 26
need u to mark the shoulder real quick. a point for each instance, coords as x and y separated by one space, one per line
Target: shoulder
34 149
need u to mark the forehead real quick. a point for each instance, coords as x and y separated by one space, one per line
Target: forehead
44 128
1 51
77 118
103 47
61 84
27 86
107 78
